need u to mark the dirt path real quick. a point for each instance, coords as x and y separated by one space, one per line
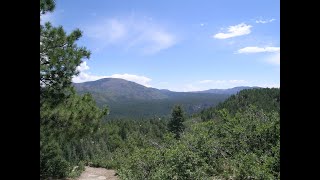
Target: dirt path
91 173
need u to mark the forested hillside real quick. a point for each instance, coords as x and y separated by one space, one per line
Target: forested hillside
265 98
126 99
242 143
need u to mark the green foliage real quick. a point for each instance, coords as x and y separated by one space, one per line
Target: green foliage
128 100
267 99
238 139
109 148
52 162
75 117
47 6
164 163
176 125
244 144
71 125
59 58
68 121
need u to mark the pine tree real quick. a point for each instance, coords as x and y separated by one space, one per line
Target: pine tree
175 124
65 116
59 58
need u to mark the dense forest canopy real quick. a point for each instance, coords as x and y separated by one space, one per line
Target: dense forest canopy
127 99
235 143
265 98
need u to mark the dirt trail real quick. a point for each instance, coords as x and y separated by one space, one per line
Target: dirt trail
91 173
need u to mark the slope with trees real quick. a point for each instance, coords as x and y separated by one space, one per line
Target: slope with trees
241 143
127 99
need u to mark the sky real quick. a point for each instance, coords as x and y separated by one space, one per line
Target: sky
177 45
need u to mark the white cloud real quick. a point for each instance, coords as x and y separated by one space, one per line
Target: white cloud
205 81
258 49
134 33
222 81
83 66
109 31
264 21
233 31
86 76
158 40
237 81
274 58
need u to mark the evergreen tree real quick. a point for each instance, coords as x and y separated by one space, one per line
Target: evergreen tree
65 117
175 124
59 58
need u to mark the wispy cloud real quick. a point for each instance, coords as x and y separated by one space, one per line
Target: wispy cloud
265 21
255 49
133 33
83 67
222 81
237 81
110 31
87 76
233 31
84 77
272 58
205 81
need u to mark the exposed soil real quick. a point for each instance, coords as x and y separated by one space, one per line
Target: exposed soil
91 173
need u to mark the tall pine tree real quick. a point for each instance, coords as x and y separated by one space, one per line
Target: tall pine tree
64 115
175 124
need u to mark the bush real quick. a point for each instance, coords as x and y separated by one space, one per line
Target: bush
52 163
244 145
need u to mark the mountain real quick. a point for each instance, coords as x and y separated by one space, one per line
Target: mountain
127 99
115 89
230 91
266 99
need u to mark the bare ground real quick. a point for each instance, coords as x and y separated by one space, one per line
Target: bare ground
91 173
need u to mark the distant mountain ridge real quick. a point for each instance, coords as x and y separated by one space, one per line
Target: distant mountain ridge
116 88
129 99
234 90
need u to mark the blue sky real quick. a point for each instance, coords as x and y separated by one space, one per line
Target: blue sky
177 45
